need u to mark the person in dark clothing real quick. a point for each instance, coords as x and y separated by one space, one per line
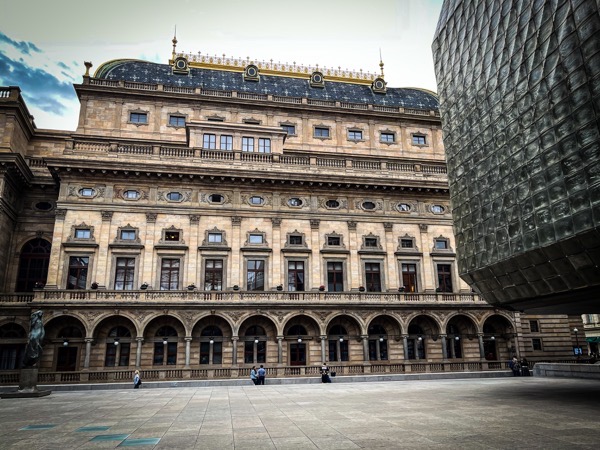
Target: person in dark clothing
325 378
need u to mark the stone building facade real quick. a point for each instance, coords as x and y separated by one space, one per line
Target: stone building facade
212 214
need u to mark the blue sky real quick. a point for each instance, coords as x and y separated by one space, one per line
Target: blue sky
43 44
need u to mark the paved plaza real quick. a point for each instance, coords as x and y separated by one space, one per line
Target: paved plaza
504 413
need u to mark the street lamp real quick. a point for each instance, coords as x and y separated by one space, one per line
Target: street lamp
299 339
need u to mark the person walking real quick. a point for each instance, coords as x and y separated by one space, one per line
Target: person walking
325 374
254 375
137 380
261 374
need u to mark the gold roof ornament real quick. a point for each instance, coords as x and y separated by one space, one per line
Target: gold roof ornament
174 41
273 68
381 63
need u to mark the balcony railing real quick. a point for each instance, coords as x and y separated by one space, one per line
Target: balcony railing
206 372
243 297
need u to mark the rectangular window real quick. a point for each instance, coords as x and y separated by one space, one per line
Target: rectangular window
406 243
370 242
388 138
536 344
322 132
83 233
215 238
444 277
441 244
226 142
110 357
264 145
255 280
138 117
256 239
289 129
534 326
177 121
247 144
409 277
333 240
172 236
204 352
355 135
127 235
248 352
209 141
418 139
295 239
78 269
372 277
169 274
295 275
213 275
124 274
335 276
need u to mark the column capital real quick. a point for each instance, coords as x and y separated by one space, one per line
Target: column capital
323 338
187 339
139 339
235 338
89 339
280 338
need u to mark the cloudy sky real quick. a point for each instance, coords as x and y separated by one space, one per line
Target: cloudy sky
43 43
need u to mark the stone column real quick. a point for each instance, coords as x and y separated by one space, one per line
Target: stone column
88 351
236 263
428 275
193 270
481 347
354 271
444 347
323 349
390 261
234 342
147 275
54 278
279 349
138 351
276 273
365 342
405 345
316 278
104 236
188 350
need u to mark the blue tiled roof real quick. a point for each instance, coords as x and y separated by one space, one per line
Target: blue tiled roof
147 72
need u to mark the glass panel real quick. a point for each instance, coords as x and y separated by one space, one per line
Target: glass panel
335 274
78 268
169 274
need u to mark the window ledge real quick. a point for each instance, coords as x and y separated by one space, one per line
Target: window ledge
335 250
296 250
256 249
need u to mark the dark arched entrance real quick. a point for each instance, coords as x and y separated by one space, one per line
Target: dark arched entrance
33 265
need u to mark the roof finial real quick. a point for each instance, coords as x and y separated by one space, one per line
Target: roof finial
174 42
380 62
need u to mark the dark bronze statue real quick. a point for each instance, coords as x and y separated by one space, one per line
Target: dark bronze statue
33 351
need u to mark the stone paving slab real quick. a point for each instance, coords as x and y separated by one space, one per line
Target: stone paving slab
500 413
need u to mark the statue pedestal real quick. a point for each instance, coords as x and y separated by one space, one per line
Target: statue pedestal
27 386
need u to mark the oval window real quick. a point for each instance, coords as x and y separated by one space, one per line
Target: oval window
256 200
43 206
131 194
332 204
368 205
403 207
437 209
215 198
174 196
295 201
86 192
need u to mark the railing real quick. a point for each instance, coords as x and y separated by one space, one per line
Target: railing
354 105
295 160
178 152
280 99
250 96
179 89
371 165
12 377
314 102
36 162
257 157
16 298
217 154
135 149
328 162
91 146
215 93
187 296
103 82
4 92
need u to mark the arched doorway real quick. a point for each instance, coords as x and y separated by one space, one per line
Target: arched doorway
461 338
164 334
33 265
378 343
298 348
299 335
422 331
213 335
498 333
254 334
64 342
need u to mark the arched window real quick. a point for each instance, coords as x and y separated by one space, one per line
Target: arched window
378 348
255 347
211 345
338 344
165 346
118 347
453 342
297 330
13 338
33 265
416 342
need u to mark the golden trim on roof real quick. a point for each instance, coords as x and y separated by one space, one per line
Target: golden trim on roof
272 68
